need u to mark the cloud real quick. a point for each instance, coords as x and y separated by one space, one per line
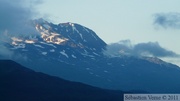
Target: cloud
125 47
175 60
154 49
167 20
15 14
5 53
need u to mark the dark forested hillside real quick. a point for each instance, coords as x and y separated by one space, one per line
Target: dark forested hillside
21 84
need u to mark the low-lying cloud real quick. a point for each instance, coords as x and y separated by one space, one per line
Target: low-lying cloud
15 14
151 49
167 20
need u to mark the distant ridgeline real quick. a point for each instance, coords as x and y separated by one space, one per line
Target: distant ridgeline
74 52
21 84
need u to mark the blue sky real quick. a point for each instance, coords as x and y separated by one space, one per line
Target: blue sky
151 26
115 20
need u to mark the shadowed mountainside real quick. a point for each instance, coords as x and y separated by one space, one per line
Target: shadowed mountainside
21 84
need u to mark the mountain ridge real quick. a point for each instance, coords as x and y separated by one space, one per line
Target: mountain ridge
20 83
59 50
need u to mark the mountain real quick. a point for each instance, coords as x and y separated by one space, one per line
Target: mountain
22 84
76 53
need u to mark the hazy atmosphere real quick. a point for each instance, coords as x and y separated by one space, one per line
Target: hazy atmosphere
145 27
140 21
89 50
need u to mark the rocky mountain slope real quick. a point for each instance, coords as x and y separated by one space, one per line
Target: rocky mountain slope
76 53
22 84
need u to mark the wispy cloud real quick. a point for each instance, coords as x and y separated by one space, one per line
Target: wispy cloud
14 18
14 15
125 47
167 20
5 52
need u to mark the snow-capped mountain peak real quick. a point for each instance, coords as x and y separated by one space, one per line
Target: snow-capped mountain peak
74 52
68 40
68 33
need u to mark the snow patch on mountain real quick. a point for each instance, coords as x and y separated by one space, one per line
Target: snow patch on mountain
46 26
80 34
30 41
48 44
15 39
38 46
21 45
73 56
86 30
96 53
105 71
50 37
44 53
52 50
64 53
71 24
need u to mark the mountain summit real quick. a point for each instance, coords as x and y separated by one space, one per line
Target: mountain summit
76 53
71 34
